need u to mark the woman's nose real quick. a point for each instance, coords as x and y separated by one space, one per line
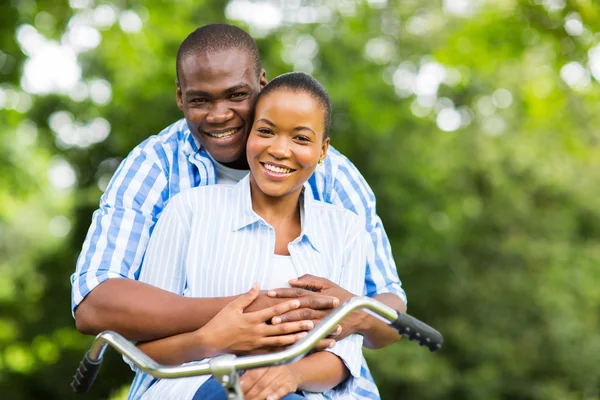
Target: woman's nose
280 147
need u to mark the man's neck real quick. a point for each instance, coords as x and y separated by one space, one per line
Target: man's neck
241 164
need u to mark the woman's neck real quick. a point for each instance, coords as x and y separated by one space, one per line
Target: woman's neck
276 210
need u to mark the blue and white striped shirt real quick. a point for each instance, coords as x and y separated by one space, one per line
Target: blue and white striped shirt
210 243
171 162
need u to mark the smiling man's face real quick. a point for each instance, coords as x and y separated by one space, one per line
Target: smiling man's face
216 92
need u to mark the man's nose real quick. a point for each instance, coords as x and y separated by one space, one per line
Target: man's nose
219 113
280 147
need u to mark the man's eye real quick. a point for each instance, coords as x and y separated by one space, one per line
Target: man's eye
238 96
198 101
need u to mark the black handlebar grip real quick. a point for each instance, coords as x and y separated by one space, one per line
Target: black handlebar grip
86 374
418 331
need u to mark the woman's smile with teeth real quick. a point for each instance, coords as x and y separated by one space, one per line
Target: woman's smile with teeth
222 134
276 169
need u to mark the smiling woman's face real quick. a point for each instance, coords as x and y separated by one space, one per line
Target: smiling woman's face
286 141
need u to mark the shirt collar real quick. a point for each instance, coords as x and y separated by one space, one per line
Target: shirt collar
190 143
245 215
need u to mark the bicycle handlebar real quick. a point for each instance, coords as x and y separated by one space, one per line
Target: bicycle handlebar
405 324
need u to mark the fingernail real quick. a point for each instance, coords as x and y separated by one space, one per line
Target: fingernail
332 344
302 334
293 280
339 329
275 320
336 302
309 325
296 303
271 293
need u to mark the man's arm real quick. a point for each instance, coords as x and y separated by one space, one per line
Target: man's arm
376 333
142 312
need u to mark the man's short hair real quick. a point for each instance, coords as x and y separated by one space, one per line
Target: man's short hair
215 38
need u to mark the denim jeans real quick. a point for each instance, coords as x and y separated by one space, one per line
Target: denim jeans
212 390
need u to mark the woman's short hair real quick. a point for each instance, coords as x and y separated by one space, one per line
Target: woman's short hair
301 82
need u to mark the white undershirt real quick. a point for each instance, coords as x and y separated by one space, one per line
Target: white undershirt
226 175
282 270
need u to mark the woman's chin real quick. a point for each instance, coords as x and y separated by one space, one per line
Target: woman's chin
275 190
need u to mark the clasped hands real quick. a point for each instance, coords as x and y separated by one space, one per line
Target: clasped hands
267 321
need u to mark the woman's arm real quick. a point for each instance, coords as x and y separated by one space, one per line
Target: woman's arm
230 331
317 372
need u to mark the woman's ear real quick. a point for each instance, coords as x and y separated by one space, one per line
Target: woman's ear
324 148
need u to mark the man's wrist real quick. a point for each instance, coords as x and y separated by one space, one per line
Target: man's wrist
364 323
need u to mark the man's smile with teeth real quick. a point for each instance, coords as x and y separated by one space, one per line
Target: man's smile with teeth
276 169
222 134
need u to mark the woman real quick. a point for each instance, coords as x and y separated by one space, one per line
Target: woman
264 230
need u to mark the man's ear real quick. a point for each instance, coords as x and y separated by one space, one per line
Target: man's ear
263 79
179 97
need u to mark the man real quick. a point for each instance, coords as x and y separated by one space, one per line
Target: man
218 78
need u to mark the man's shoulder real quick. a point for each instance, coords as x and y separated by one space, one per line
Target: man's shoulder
338 165
167 141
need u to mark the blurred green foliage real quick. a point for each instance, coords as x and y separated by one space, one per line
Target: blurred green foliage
476 123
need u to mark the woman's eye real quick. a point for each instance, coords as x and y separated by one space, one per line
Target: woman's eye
264 131
303 138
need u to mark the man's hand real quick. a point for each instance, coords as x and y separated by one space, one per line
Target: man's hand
270 383
310 283
233 331
313 307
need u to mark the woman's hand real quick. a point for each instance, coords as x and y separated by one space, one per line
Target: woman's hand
268 383
233 331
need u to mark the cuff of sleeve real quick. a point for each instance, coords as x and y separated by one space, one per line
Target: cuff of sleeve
349 350
83 284
392 288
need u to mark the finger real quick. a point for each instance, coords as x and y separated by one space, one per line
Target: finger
262 385
250 377
301 314
309 281
283 340
336 332
288 327
281 392
245 299
269 384
278 309
288 292
324 344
